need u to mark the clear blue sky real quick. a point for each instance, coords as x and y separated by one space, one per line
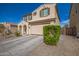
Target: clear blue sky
14 12
64 13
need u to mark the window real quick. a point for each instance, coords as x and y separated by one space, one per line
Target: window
44 12
76 11
30 17
25 18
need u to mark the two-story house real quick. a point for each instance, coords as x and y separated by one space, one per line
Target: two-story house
45 14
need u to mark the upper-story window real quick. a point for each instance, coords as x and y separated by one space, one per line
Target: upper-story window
30 17
25 18
44 12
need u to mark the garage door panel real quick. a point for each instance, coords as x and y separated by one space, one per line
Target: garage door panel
36 29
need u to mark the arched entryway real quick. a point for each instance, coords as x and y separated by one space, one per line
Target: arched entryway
20 27
25 28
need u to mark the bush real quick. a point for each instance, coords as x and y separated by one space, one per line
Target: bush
17 34
51 34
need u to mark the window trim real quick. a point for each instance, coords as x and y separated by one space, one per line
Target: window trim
30 16
25 18
43 13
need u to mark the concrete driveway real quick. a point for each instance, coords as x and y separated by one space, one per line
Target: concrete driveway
67 46
33 46
20 46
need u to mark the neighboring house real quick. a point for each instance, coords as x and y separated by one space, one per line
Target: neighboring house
10 26
2 28
33 23
74 18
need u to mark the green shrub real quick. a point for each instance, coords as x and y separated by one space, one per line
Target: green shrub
51 34
17 34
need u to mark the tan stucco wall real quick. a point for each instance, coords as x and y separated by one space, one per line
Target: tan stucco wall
7 25
77 18
74 17
37 16
13 29
22 24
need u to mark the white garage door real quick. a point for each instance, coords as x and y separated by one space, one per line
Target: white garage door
36 29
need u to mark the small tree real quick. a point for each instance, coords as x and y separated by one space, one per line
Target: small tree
51 34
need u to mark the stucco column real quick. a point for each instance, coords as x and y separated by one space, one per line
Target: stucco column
22 30
18 28
27 28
